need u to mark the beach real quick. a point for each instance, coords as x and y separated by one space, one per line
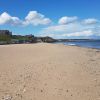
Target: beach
46 71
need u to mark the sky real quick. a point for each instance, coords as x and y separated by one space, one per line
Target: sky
55 18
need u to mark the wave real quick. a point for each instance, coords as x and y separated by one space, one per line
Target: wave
70 44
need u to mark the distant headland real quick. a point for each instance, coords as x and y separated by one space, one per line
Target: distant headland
6 37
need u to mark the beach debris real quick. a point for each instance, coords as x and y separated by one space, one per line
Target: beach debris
71 95
41 90
95 79
7 97
19 95
24 90
67 90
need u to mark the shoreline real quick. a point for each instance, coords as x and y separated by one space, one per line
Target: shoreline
78 46
54 43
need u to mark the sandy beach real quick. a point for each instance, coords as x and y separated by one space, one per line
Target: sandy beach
49 72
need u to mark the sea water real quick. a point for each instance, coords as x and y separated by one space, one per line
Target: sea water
85 43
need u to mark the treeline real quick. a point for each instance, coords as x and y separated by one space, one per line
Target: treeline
22 39
6 37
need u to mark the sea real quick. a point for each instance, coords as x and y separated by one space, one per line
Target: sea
87 44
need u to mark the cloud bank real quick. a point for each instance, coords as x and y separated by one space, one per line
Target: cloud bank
72 27
66 27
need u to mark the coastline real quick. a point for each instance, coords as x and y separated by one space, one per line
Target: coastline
85 47
49 71
84 44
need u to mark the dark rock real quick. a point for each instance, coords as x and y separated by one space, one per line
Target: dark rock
48 39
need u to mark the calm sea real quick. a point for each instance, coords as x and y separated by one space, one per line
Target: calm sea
85 43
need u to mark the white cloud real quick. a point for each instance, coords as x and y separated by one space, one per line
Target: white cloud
36 18
84 33
90 21
33 18
70 30
66 19
5 18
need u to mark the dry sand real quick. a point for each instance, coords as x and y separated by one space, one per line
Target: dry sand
49 72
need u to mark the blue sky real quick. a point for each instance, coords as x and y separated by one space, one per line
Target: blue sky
56 18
